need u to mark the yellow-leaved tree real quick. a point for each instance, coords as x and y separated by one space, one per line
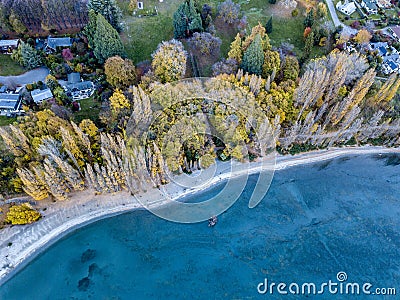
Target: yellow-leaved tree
169 61
118 101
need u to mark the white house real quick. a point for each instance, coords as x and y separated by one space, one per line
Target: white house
9 103
7 46
41 95
347 7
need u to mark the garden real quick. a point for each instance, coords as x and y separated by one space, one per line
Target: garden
142 35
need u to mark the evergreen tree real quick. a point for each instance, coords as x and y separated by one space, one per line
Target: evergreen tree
110 11
253 57
106 40
258 29
309 20
187 20
90 28
309 43
291 68
268 26
27 56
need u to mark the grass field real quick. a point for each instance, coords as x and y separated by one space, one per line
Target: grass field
9 67
90 109
142 35
4 121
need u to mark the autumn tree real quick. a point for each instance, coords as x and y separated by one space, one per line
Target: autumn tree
228 66
22 214
205 43
271 64
107 42
229 11
169 61
322 11
33 183
132 5
118 101
120 72
109 10
17 25
236 51
362 37
258 29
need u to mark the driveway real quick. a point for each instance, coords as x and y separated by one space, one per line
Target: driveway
38 74
346 29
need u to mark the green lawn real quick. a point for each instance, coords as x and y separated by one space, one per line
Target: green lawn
142 35
89 110
9 67
4 121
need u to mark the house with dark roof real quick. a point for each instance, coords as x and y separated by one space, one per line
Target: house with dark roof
369 6
41 95
78 89
395 32
9 103
53 43
7 46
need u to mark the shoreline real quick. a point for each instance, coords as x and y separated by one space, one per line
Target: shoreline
62 218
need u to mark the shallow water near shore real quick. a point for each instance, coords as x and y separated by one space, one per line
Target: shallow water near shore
341 215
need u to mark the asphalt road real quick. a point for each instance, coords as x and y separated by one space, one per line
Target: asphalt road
38 74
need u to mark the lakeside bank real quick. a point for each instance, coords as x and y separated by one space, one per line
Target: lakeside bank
63 217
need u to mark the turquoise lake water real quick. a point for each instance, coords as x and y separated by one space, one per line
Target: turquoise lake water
341 215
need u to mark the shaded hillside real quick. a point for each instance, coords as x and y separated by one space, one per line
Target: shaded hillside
42 16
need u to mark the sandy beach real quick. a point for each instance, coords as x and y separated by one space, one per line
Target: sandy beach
19 244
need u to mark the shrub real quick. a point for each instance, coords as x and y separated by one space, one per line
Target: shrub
22 214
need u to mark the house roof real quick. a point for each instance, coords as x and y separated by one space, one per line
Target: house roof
346 8
9 101
74 78
53 43
396 30
392 57
40 95
9 43
392 65
79 86
382 51
370 4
